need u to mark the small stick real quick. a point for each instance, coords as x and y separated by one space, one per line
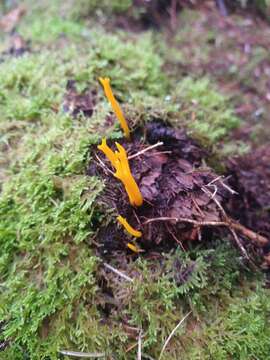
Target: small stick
139 355
124 276
191 221
175 238
147 356
197 206
172 333
103 165
145 150
227 187
81 354
250 234
214 180
241 247
131 347
254 237
229 223
212 197
215 191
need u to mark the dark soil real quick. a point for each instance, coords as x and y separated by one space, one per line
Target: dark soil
233 51
250 175
150 14
145 14
183 199
77 103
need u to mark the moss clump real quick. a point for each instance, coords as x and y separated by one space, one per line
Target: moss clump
207 113
52 283
240 331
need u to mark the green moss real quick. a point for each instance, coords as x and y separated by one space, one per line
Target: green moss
206 112
52 283
240 331
51 28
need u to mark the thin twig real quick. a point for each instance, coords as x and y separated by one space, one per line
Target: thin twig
82 354
146 356
227 187
229 223
175 238
219 179
105 168
215 180
131 347
213 197
238 242
197 206
139 355
250 234
124 276
160 143
215 191
190 221
172 333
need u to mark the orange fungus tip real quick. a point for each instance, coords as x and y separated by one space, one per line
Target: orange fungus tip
128 227
133 248
108 152
105 82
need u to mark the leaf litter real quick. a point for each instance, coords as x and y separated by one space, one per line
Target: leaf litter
184 200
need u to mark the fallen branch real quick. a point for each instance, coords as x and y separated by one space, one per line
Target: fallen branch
229 223
250 234
191 221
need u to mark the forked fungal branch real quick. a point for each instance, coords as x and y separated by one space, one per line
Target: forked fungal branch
119 161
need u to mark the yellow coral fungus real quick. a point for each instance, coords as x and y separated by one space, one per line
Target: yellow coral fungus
128 227
119 160
115 105
108 152
133 248
123 173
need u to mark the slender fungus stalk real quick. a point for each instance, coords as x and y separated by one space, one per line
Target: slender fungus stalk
115 105
128 227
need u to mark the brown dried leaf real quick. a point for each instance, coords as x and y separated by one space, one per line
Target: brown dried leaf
11 19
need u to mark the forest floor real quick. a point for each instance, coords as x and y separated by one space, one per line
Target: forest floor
74 283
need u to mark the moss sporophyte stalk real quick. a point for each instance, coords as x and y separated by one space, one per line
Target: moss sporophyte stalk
115 105
119 161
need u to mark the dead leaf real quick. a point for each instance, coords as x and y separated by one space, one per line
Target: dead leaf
18 45
11 19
